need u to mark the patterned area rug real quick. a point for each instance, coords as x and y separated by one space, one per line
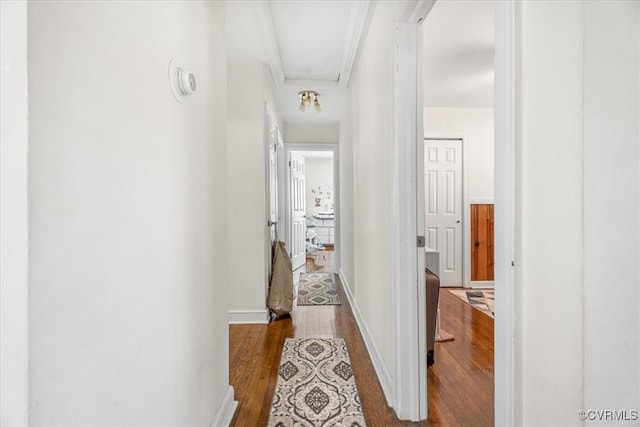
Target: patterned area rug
317 289
482 299
315 386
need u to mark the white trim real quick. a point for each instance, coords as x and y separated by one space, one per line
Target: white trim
248 317
481 284
273 50
481 201
270 125
357 22
505 136
226 410
14 214
420 226
408 283
466 205
381 368
415 11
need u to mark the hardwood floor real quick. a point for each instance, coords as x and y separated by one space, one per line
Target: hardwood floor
460 384
321 260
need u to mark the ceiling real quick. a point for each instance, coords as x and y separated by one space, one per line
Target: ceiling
308 44
310 37
312 44
458 52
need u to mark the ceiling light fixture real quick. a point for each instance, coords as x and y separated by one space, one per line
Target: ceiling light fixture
306 98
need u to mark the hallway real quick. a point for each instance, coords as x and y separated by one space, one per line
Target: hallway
460 383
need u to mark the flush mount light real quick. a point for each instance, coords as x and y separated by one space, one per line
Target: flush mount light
307 97
181 81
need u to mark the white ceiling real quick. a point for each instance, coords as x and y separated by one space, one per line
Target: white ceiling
459 54
311 37
308 45
309 40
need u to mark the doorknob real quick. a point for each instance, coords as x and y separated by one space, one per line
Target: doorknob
458 222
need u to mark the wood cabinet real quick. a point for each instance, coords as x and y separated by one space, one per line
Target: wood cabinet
482 243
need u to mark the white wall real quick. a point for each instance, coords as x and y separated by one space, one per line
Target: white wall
551 247
312 133
249 243
577 225
611 197
476 126
319 177
247 209
14 267
371 154
346 198
128 287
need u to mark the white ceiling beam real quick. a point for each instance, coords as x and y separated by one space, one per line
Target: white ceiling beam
310 84
356 25
271 44
415 11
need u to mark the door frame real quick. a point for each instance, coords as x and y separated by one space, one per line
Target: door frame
303 146
505 102
409 396
466 203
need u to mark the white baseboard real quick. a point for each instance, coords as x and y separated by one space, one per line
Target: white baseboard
380 366
477 284
248 317
226 410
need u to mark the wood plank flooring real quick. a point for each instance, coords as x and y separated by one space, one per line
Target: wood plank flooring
460 384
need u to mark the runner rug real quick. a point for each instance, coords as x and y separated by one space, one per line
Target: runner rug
317 289
481 299
315 386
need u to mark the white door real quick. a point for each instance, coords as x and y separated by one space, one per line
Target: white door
273 182
298 221
443 206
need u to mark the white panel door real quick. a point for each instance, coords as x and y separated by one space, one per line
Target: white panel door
298 221
273 181
443 206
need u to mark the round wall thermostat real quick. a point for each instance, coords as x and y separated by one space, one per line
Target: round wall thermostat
187 81
181 81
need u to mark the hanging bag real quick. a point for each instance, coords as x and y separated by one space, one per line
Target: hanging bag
280 299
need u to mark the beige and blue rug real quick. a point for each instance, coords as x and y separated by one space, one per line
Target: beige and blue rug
317 289
482 299
315 386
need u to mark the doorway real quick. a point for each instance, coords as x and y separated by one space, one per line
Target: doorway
458 117
312 212
502 62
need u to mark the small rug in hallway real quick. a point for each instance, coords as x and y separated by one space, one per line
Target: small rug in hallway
315 386
482 299
317 289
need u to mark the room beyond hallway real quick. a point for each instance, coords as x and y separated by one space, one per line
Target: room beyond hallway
460 383
322 261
